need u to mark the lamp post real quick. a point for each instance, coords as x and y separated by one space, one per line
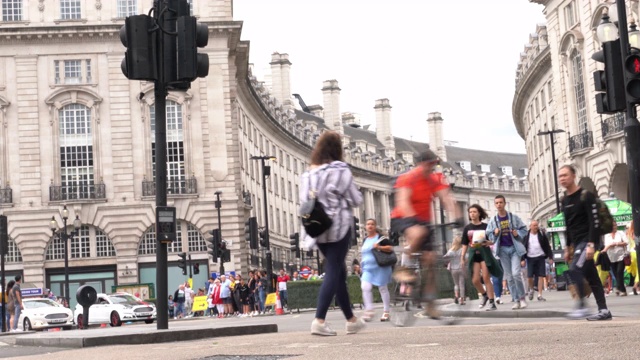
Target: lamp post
553 162
218 205
65 236
266 171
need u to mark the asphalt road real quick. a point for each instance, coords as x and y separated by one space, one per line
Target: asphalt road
428 339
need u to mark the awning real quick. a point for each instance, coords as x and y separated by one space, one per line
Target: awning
620 210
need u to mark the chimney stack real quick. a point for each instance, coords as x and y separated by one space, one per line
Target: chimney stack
436 138
383 124
331 96
281 78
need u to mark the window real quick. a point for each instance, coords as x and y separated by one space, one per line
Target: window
70 9
507 170
89 242
76 151
578 90
277 227
71 71
80 245
570 15
13 253
176 246
485 168
176 175
288 162
127 8
195 240
290 191
11 10
104 246
465 165
295 166
543 100
525 171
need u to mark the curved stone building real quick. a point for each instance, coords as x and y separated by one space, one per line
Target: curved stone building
77 134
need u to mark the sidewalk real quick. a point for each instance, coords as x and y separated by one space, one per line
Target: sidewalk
557 305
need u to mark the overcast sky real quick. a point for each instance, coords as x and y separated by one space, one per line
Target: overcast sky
455 57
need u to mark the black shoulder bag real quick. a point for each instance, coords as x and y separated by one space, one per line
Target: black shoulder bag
384 258
314 219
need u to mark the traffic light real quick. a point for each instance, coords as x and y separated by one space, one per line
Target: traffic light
225 253
295 244
610 81
4 236
214 244
632 86
251 232
356 231
139 61
263 238
196 269
182 263
191 36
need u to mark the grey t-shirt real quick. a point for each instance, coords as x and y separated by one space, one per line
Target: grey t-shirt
16 290
454 259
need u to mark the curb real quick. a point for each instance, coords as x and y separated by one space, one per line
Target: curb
139 338
515 314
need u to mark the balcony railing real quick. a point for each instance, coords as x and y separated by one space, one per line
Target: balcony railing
77 192
581 142
185 187
6 195
613 125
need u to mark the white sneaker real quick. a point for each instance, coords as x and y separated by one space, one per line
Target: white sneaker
354 327
321 329
18 330
516 306
578 314
523 304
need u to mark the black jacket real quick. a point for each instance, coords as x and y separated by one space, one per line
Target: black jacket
544 243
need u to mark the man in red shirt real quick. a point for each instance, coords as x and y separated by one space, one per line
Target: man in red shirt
283 278
415 191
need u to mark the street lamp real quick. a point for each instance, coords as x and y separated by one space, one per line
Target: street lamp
65 237
218 205
553 162
266 171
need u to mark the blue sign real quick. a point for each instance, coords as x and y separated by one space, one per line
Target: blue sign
32 292
216 275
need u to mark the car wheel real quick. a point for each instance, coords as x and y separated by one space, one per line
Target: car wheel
115 319
27 324
150 321
80 322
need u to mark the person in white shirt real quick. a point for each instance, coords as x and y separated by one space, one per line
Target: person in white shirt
615 245
538 250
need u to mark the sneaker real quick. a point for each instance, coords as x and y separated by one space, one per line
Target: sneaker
367 316
516 306
321 329
492 307
354 327
456 301
498 301
540 298
603 314
17 330
483 301
530 294
578 314
523 304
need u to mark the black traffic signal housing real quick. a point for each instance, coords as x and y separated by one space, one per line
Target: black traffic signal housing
610 81
356 231
196 268
191 36
295 244
263 238
182 262
4 236
225 253
139 61
213 244
251 232
632 78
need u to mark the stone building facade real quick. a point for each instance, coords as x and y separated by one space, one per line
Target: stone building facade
555 90
76 133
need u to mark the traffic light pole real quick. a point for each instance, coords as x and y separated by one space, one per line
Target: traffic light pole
160 93
218 205
266 227
631 129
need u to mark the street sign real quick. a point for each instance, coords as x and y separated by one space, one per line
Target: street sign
31 292
305 272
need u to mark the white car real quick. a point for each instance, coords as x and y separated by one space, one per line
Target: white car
115 309
41 314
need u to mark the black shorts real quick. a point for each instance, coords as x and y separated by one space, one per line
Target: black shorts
399 225
535 266
477 257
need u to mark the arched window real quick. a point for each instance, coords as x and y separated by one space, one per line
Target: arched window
176 174
13 253
195 240
578 90
89 242
76 151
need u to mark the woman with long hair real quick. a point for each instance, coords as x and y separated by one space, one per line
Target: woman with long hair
372 273
481 260
615 246
330 181
457 271
10 305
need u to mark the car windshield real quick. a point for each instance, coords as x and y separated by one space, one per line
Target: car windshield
125 299
40 303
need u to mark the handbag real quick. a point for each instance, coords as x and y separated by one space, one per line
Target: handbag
314 218
384 258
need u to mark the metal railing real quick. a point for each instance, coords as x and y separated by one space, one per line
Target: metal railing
187 186
6 196
612 125
581 141
77 192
